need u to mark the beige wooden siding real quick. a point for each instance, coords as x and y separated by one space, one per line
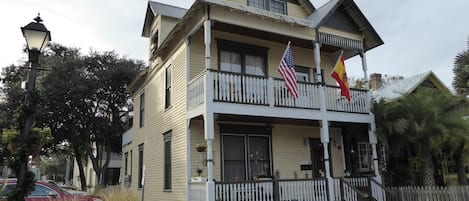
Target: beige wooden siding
289 149
167 24
158 121
290 146
197 158
295 10
197 53
259 23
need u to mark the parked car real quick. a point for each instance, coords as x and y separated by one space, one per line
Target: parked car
45 191
70 189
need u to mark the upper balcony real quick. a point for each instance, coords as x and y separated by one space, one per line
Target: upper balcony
259 92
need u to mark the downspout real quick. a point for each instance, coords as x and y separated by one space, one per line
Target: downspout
188 122
324 121
208 118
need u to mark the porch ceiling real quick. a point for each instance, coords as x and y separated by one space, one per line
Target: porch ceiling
270 36
265 120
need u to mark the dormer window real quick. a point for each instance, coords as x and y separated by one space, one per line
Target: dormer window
154 43
278 6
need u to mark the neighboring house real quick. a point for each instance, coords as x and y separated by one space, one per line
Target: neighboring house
113 171
391 89
213 103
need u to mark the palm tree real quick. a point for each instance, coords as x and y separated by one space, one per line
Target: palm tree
461 85
427 120
461 72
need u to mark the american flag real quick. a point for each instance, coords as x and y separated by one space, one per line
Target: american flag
287 70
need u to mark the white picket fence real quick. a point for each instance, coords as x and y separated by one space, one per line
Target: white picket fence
412 193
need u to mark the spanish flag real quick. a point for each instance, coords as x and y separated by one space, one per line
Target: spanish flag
339 74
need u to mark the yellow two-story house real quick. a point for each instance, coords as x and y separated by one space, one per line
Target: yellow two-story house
212 116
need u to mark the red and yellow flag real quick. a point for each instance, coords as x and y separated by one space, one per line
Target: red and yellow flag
339 74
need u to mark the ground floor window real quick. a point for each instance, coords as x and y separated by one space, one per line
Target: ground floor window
246 156
364 157
140 165
113 176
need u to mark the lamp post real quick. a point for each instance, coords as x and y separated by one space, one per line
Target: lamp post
37 37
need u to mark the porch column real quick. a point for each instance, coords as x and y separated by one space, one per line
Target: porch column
208 116
373 141
365 77
324 122
372 130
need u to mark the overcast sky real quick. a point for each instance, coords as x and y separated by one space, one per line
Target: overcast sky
419 35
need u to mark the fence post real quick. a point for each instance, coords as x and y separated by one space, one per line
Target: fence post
276 189
370 190
342 197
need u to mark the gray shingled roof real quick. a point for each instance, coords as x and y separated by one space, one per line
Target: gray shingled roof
396 89
167 10
155 8
322 12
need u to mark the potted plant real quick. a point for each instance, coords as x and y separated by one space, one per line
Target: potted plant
200 148
199 177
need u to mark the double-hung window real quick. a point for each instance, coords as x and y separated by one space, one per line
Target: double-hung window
278 6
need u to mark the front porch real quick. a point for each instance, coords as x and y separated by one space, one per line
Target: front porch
259 158
350 189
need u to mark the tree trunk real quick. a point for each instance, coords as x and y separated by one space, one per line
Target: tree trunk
428 170
80 169
459 162
94 161
105 167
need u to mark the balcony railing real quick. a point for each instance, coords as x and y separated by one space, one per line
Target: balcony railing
268 91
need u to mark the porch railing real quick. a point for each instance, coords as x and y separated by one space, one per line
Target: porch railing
268 91
272 190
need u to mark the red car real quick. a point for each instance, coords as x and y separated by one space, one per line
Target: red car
45 191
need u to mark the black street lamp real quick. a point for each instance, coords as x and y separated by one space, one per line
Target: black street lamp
37 37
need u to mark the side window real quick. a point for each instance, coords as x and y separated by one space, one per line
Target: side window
8 189
140 165
142 109
40 190
154 43
126 159
167 161
302 74
168 87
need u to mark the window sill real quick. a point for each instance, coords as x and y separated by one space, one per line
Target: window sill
167 190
